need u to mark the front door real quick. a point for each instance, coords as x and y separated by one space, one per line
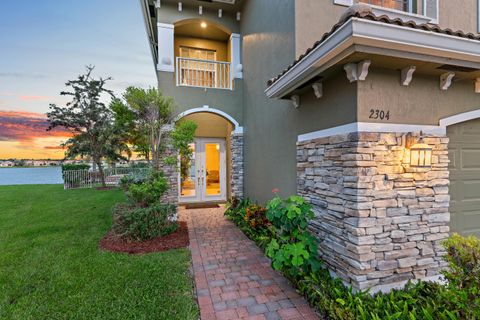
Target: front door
203 176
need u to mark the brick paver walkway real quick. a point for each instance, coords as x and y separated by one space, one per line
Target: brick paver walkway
233 278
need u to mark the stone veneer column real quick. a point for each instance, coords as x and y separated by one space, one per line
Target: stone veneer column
171 172
380 222
236 174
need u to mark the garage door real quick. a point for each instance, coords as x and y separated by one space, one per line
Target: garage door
464 154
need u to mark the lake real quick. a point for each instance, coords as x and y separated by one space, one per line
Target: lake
45 175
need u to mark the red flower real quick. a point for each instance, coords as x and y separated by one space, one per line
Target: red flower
275 190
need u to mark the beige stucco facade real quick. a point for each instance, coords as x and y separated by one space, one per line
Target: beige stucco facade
422 102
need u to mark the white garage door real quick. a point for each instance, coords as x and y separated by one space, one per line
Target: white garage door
464 154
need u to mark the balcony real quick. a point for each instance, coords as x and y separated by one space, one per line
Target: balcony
199 73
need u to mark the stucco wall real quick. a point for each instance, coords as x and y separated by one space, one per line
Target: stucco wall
459 15
312 19
272 126
420 103
229 101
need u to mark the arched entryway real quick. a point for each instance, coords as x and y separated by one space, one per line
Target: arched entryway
212 173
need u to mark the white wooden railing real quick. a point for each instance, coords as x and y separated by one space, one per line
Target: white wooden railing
203 73
76 179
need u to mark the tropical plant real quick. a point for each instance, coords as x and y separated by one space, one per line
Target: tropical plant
89 120
146 116
294 250
463 273
458 299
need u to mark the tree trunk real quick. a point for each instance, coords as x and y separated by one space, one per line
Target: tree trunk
101 172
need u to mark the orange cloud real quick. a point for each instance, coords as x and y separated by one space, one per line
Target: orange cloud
24 127
35 98
24 135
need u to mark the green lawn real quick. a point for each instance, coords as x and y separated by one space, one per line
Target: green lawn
51 267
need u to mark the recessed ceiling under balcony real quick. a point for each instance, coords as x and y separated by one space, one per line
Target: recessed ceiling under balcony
194 29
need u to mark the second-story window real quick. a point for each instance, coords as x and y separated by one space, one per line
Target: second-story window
196 53
391 4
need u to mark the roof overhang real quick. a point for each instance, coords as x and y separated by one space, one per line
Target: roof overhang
149 27
359 35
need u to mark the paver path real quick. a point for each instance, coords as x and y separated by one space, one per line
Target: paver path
233 278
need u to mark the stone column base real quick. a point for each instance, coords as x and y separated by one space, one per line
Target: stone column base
236 174
380 222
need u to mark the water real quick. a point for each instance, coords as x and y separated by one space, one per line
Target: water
46 175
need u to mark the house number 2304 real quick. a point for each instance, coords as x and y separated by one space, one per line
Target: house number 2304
379 114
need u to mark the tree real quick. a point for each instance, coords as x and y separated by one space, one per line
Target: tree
147 116
126 118
90 121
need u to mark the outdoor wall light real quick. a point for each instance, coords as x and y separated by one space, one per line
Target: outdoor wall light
203 25
420 154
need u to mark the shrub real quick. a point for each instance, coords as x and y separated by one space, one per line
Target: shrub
75 166
140 224
294 250
463 273
135 177
256 217
423 300
251 219
149 192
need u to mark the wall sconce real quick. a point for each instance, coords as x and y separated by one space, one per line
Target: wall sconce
420 154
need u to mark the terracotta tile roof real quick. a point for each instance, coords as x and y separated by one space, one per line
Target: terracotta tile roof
363 11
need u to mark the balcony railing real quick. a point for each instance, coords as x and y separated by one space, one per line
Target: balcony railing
203 73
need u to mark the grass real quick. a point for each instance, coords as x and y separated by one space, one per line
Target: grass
51 267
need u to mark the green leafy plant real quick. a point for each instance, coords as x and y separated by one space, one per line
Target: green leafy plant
149 192
421 300
75 166
140 224
134 177
294 250
463 273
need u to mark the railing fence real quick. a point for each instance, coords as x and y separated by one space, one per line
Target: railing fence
77 179
203 73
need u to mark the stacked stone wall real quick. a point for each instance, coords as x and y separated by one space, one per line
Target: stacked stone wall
380 221
236 174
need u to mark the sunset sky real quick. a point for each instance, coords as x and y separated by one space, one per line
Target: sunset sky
45 43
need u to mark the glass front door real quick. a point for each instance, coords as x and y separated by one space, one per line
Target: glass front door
203 175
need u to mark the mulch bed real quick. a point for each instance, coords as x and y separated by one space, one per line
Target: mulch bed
176 240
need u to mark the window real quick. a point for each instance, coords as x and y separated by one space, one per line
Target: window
401 5
196 53
430 9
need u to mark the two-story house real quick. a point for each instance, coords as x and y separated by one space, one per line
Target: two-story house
369 109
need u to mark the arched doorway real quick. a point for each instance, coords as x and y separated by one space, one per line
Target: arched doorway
207 176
